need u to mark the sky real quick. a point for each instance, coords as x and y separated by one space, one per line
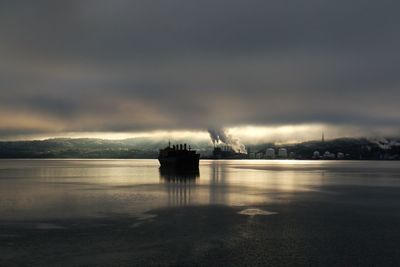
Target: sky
282 70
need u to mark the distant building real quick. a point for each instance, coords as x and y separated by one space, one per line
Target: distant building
270 153
227 152
329 155
282 153
316 155
340 155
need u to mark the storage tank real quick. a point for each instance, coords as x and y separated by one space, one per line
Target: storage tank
270 153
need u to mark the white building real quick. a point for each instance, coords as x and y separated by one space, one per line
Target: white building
329 155
316 155
282 153
270 153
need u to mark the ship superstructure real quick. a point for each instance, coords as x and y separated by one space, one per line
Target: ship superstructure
179 156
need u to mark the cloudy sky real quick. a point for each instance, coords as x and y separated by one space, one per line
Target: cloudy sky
93 67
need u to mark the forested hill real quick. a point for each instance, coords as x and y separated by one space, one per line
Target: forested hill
79 148
354 148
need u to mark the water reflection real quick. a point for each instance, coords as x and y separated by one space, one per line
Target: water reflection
218 176
37 189
179 185
171 175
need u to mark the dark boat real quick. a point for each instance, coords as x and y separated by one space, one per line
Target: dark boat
179 157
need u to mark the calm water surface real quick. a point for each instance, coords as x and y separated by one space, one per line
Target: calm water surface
51 189
231 213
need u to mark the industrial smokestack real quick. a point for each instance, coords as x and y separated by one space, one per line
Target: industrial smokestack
219 135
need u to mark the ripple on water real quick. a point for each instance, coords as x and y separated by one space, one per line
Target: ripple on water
48 226
256 212
143 218
146 216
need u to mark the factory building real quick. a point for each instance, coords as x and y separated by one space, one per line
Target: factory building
270 153
329 155
282 153
316 155
340 155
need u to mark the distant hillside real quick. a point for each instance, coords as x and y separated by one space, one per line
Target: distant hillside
86 148
352 148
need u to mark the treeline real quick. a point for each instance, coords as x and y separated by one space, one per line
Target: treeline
352 148
74 148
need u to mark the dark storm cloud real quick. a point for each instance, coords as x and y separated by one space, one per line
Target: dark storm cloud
140 65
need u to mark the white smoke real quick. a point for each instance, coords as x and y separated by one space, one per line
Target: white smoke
385 143
221 136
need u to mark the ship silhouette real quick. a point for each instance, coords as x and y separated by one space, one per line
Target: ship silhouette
179 157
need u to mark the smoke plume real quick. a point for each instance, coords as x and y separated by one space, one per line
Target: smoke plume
219 135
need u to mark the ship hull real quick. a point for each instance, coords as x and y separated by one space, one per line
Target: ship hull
180 162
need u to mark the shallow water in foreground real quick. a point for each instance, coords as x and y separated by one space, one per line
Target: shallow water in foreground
127 212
